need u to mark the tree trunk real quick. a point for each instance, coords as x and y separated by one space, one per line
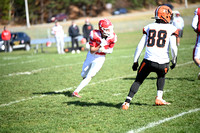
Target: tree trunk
42 11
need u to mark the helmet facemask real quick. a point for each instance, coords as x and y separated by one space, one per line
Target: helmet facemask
106 27
107 31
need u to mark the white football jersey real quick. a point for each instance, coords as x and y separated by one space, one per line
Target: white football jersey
157 38
58 31
178 22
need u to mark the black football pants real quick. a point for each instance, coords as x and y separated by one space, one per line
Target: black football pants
146 67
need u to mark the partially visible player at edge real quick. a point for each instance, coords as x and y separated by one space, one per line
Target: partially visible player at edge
157 37
196 27
101 42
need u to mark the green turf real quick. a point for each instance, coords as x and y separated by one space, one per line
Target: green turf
42 102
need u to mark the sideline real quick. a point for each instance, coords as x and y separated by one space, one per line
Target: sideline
153 124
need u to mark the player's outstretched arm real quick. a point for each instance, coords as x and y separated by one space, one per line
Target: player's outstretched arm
195 23
139 48
174 51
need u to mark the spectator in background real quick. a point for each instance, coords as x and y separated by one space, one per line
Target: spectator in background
196 27
87 28
58 32
178 22
74 33
6 36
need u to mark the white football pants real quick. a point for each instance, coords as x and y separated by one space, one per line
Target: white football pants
92 65
197 48
60 45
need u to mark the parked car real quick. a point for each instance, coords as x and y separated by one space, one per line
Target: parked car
2 47
120 11
19 40
58 17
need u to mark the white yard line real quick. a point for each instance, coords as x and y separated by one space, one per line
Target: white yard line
23 62
39 70
47 68
153 124
190 62
18 101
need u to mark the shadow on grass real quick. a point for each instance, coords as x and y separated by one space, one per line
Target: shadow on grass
66 93
105 104
85 104
88 104
154 78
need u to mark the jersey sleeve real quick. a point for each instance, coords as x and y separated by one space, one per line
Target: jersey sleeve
92 41
113 41
175 31
139 48
145 30
174 49
195 21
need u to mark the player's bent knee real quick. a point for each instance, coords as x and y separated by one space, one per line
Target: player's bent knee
83 74
88 78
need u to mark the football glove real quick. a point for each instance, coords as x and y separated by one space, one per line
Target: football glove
135 66
103 42
101 49
173 64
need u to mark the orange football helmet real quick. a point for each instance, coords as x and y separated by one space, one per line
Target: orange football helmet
164 13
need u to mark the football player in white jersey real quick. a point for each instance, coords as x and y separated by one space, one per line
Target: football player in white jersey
196 27
101 42
58 32
157 38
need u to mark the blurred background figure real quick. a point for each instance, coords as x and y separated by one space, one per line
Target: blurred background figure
58 32
87 28
178 22
74 33
196 27
6 36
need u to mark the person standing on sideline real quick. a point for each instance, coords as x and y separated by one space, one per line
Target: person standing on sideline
74 33
58 32
196 27
157 37
101 42
87 28
178 22
6 36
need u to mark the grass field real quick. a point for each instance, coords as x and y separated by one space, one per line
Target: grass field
36 93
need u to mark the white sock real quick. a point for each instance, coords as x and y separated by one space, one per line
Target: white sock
83 83
159 94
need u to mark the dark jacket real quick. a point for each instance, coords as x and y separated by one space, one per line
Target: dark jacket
73 31
87 28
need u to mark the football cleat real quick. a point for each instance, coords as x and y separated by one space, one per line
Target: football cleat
199 76
161 102
75 94
125 106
